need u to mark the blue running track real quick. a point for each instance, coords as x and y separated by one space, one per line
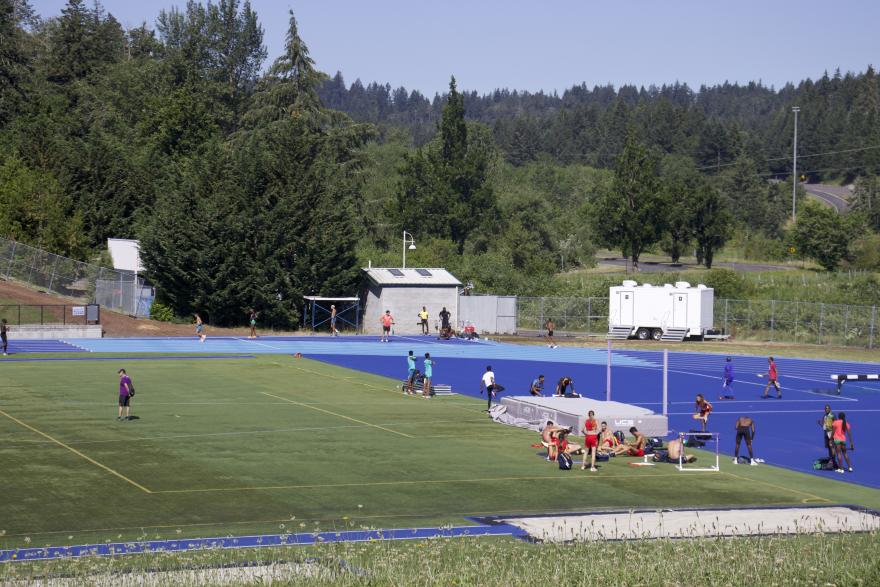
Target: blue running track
788 433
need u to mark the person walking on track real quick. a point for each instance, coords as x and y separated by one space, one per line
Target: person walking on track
387 321
200 328
333 331
252 318
842 429
772 379
550 327
727 380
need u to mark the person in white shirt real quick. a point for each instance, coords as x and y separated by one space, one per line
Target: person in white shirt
488 383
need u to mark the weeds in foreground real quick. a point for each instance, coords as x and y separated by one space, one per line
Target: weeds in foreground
810 559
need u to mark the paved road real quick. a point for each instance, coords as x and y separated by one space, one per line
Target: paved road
834 195
658 266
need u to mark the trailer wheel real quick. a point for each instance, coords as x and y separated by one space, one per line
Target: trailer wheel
643 333
657 334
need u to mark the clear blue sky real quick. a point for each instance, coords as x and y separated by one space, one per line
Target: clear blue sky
552 45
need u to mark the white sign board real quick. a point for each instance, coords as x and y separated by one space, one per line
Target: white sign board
78 310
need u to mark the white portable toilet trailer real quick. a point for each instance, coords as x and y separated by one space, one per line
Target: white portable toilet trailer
668 312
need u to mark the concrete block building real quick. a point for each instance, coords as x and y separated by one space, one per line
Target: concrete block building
404 292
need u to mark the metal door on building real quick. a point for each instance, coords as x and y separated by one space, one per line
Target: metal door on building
679 310
626 308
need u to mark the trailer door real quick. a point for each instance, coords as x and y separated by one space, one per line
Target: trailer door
626 308
679 310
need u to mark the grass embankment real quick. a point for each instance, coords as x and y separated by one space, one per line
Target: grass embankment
791 560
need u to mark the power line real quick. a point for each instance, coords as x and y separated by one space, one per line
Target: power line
788 157
772 173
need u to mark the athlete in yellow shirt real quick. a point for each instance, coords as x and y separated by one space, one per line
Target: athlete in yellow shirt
423 318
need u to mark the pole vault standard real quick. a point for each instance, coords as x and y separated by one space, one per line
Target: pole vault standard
665 378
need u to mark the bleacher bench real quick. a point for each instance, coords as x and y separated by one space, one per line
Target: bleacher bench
437 388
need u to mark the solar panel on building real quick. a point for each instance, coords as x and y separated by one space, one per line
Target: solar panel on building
423 272
396 272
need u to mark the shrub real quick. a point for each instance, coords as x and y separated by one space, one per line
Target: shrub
728 284
161 312
865 253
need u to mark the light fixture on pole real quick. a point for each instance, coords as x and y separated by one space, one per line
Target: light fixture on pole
794 177
412 246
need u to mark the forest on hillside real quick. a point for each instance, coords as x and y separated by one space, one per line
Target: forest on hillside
251 180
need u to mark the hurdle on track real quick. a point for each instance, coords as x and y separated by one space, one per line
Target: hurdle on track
715 436
841 379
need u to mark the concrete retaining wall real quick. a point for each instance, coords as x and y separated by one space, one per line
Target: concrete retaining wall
55 331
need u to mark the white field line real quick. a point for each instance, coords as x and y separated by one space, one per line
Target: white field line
252 341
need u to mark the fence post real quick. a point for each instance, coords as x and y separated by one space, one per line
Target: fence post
821 322
726 305
750 315
52 277
590 315
772 320
873 323
11 259
541 316
565 315
845 324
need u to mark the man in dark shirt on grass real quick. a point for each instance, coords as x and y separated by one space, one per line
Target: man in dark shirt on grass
126 390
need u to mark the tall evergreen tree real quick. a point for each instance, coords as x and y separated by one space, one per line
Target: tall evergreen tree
629 215
709 221
272 207
15 64
446 187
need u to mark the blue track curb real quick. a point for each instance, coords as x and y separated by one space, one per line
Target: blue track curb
258 541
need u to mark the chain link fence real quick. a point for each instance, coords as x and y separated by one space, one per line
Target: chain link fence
770 320
122 291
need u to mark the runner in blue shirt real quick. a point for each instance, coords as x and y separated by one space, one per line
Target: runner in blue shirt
429 372
411 371
727 380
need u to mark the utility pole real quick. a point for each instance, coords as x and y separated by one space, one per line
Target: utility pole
794 176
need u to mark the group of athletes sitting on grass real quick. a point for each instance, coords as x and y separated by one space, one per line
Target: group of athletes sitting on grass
599 439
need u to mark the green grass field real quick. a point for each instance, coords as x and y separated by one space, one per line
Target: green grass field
278 444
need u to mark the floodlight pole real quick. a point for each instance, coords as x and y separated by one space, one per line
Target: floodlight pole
794 177
412 245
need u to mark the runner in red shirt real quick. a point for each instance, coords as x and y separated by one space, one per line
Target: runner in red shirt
387 320
591 440
772 379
